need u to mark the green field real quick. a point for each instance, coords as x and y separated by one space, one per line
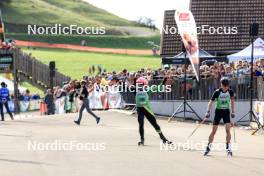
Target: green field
76 64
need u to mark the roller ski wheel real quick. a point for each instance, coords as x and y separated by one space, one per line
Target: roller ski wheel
141 143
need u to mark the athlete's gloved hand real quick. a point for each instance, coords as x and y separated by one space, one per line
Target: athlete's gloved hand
233 115
207 114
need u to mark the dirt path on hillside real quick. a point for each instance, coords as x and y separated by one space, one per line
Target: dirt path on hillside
84 48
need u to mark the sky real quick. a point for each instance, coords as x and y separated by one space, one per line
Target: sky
133 9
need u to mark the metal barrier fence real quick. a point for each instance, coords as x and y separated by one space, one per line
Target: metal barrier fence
128 97
203 90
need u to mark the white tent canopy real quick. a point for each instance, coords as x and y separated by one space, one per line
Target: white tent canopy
245 54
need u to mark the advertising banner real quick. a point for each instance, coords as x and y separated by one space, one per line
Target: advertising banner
259 110
2 32
114 99
188 31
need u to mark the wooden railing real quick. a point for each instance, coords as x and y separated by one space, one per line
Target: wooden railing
29 69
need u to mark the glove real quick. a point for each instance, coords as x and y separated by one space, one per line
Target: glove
207 115
233 115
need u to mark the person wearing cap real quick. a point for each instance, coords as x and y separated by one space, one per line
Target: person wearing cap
49 101
224 98
83 96
4 98
144 110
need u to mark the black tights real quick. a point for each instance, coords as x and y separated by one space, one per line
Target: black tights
142 112
7 109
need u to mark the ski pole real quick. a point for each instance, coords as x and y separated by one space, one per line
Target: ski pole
234 131
197 127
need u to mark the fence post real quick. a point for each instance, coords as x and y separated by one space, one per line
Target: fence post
16 57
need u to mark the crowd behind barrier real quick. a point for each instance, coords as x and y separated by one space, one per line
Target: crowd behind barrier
100 99
65 98
202 90
205 88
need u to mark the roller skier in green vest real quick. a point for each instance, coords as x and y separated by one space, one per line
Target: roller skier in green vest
144 110
224 104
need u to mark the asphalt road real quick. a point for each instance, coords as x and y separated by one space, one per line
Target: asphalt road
54 145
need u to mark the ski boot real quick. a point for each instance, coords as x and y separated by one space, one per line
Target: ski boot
166 141
228 150
141 142
77 122
208 149
98 120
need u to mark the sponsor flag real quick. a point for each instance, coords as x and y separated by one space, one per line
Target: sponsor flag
188 31
2 33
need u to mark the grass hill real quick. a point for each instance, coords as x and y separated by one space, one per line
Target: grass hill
17 14
121 33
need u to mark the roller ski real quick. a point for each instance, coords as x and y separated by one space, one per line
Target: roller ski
141 143
166 141
228 150
208 149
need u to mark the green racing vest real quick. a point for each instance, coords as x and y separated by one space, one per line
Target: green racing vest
223 100
142 98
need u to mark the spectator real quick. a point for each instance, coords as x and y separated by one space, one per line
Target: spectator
48 100
27 96
4 98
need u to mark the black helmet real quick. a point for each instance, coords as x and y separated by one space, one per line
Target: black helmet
225 81
3 84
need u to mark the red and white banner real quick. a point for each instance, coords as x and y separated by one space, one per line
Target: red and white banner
114 99
2 31
188 31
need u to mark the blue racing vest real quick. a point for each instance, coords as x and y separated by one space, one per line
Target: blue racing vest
4 94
